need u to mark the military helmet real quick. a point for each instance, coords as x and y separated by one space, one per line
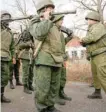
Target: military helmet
93 16
44 3
58 17
3 12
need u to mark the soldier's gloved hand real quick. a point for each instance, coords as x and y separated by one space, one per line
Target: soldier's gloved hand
81 42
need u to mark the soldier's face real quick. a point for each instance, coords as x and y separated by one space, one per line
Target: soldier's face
91 22
59 23
5 16
49 9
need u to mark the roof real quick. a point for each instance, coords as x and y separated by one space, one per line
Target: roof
73 43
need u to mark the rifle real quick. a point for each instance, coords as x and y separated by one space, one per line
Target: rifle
68 31
31 16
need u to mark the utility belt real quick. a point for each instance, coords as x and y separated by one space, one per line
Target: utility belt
97 52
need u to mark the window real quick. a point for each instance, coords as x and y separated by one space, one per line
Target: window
74 54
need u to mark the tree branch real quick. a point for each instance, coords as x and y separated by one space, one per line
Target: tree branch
104 6
87 6
34 3
95 2
23 10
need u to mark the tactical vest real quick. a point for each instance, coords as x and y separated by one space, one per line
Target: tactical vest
25 52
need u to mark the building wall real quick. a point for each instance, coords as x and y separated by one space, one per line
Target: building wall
76 52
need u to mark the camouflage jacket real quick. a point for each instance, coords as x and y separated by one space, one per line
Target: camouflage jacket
51 52
7 45
95 39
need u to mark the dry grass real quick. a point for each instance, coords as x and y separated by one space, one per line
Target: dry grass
79 71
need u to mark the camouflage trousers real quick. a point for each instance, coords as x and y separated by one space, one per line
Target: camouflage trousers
14 70
96 81
99 62
47 81
27 71
4 73
63 77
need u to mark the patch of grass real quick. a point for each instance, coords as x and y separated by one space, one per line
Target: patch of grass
79 71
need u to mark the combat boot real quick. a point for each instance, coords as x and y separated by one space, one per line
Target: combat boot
26 90
18 83
60 101
92 85
52 109
96 94
31 87
63 95
44 110
3 98
11 85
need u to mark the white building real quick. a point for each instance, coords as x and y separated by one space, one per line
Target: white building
75 50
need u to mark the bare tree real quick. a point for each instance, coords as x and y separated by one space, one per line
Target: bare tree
34 3
22 8
93 5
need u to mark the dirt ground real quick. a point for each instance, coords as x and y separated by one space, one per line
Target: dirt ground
22 102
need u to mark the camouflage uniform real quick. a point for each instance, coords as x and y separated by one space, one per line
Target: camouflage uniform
95 42
48 62
26 56
64 41
7 53
14 68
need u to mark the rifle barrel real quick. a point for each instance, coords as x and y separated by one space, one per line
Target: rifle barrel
15 19
67 12
31 16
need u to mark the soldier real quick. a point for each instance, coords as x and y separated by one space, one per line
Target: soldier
58 20
26 46
49 60
14 68
7 53
95 41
